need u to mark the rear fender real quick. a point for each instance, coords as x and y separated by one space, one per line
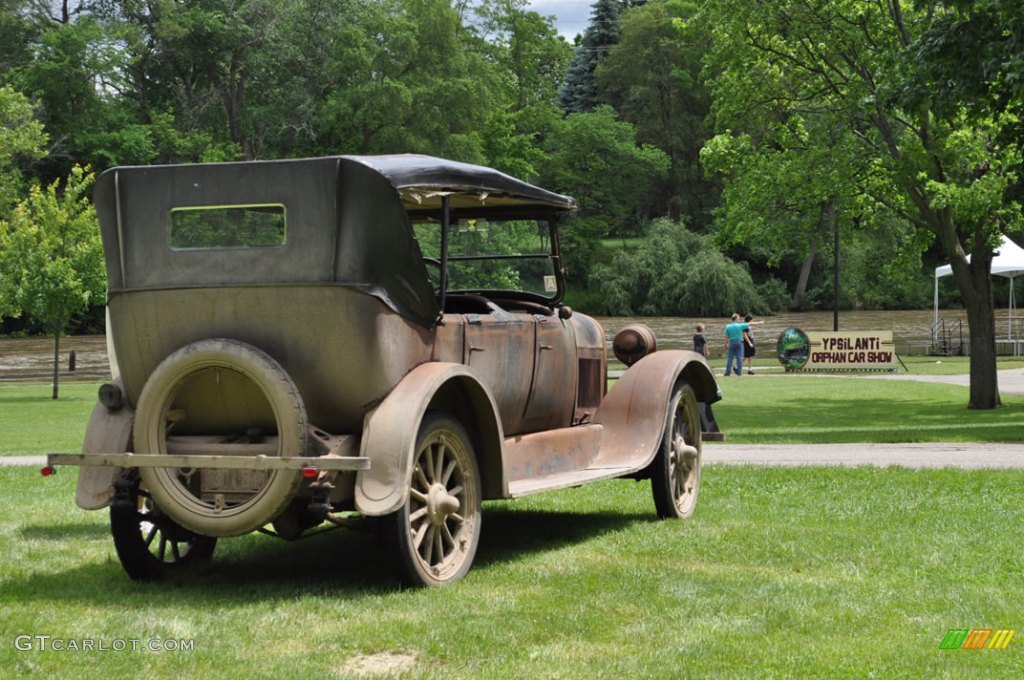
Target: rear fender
635 410
390 430
108 432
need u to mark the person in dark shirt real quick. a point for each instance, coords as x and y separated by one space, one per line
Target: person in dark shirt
748 346
700 343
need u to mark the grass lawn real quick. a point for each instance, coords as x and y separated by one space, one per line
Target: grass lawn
782 573
32 422
813 409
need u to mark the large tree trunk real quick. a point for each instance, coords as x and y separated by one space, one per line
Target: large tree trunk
975 282
805 275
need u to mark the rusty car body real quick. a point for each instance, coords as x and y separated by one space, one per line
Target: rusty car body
333 339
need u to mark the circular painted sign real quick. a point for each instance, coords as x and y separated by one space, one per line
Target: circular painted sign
794 347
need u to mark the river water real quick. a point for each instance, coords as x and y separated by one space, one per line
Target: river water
32 358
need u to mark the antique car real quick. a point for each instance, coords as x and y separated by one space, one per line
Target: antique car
376 339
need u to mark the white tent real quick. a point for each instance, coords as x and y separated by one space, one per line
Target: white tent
1008 261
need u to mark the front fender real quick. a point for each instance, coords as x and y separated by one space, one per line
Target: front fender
390 431
635 410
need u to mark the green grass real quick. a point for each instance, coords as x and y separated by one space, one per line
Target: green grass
809 409
925 365
782 573
32 422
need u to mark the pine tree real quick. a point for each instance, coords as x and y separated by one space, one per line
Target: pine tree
579 93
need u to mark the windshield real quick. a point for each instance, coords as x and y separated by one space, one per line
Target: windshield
491 255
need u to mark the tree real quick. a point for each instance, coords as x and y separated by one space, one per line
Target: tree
586 152
531 59
594 157
72 76
201 62
14 32
946 170
652 78
51 257
788 189
675 272
579 92
407 77
21 141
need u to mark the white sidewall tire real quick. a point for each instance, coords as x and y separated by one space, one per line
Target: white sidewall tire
149 436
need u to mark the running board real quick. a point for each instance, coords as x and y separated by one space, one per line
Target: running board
565 480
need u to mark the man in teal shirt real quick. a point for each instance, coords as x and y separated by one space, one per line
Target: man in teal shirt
734 343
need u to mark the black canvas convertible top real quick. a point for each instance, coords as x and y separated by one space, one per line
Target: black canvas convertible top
347 222
423 179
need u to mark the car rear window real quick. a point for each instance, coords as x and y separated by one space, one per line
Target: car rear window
227 226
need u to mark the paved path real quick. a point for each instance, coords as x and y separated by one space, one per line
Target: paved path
22 461
932 455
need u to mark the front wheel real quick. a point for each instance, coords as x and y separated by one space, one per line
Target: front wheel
675 476
436 533
149 544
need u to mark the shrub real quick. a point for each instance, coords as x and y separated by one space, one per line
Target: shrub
675 272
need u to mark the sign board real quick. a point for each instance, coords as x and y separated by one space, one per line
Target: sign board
815 351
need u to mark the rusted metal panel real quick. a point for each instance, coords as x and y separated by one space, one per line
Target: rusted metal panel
389 436
500 349
553 382
568 480
552 452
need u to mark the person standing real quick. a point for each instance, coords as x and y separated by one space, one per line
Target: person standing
734 343
700 343
748 345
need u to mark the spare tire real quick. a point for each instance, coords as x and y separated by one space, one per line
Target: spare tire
228 391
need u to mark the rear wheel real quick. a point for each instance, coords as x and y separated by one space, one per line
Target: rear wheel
675 476
149 544
436 533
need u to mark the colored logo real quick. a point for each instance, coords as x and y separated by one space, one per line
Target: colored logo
977 638
794 347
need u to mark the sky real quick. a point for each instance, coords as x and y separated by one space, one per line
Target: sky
571 16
